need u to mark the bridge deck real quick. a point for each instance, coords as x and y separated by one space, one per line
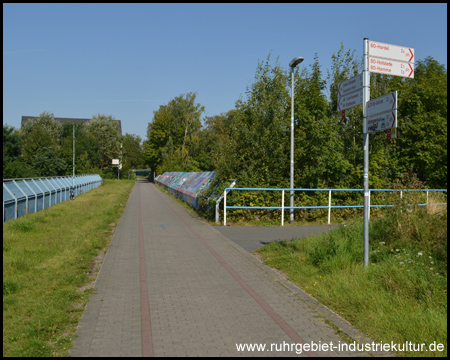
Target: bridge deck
172 285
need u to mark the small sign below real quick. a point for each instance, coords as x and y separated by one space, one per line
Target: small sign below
381 122
388 134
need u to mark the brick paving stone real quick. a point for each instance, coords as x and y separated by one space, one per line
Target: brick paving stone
197 307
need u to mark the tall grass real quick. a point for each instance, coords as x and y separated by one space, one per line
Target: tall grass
402 295
47 261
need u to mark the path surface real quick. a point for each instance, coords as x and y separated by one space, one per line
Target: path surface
252 238
172 285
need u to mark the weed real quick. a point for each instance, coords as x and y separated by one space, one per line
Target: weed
10 286
23 225
401 296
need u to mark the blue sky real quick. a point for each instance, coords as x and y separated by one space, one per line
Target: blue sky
125 60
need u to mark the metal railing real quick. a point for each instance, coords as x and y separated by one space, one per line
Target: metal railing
29 195
329 206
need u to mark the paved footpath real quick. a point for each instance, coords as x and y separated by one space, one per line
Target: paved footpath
172 285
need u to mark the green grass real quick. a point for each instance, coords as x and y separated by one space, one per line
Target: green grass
47 261
401 296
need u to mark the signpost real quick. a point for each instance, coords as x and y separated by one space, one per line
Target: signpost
391 67
350 100
350 93
381 113
391 59
350 85
119 166
381 122
382 104
393 52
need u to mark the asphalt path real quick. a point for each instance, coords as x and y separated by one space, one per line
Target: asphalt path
252 238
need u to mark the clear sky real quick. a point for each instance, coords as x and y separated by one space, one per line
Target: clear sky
125 60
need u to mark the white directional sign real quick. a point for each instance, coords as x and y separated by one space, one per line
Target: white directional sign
378 122
391 67
382 104
393 52
348 86
350 100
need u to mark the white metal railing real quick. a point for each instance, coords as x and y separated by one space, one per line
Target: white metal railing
329 206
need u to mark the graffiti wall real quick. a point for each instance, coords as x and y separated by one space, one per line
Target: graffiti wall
186 185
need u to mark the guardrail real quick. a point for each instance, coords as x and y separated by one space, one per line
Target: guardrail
186 185
329 206
29 195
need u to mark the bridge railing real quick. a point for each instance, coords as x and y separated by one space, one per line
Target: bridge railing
28 195
329 206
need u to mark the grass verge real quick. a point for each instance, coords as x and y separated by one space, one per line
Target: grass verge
401 296
48 261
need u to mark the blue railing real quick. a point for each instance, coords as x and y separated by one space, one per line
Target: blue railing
329 206
24 196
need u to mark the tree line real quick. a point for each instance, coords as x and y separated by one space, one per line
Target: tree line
44 147
251 142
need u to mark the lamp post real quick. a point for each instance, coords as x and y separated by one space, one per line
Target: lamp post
292 64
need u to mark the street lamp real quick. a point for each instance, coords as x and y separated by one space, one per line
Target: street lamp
292 64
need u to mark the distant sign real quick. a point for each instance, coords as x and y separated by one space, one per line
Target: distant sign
391 67
393 52
350 100
115 161
382 104
379 122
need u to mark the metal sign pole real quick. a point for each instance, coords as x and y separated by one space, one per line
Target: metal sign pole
366 98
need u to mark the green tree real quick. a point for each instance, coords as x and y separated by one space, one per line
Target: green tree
344 66
107 137
178 121
13 164
255 146
132 153
319 150
48 162
422 140
38 133
206 144
87 156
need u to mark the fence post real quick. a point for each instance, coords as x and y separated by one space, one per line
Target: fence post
282 207
35 195
15 203
217 212
26 198
329 206
224 207
49 194
43 193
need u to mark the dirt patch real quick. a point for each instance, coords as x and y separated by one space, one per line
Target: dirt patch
94 270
